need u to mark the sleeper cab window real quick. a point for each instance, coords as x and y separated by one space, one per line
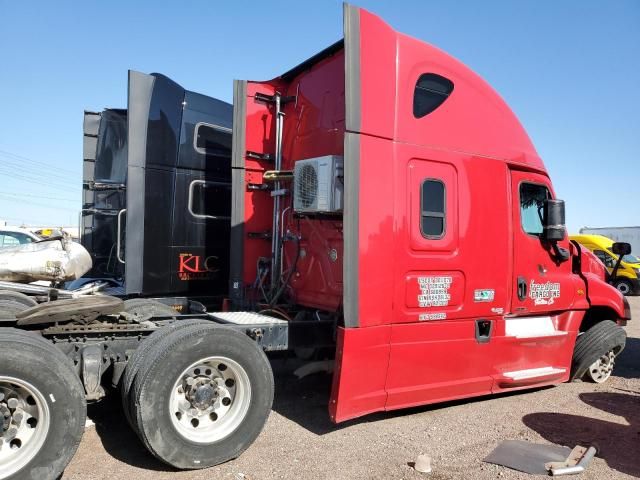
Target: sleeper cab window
532 197
432 209
212 140
431 91
210 200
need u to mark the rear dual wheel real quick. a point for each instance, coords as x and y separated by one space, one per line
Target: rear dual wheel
201 396
42 408
17 297
12 303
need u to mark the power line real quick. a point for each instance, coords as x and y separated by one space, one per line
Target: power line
20 195
12 166
39 180
36 162
23 222
36 204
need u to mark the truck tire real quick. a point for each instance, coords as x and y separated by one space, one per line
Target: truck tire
43 409
203 396
146 306
595 351
9 309
139 357
624 286
18 297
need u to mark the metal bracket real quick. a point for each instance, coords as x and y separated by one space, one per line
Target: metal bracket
92 371
258 186
260 235
262 97
104 186
279 193
265 157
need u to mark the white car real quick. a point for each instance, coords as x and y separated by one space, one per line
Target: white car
12 236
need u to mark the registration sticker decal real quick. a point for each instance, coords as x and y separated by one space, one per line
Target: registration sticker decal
484 295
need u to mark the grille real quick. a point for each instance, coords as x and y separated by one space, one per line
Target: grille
307 190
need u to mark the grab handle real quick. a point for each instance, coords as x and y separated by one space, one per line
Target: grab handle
118 235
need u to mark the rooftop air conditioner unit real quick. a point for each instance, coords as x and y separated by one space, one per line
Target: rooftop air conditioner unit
318 185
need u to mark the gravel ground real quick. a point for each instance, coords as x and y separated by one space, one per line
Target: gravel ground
299 442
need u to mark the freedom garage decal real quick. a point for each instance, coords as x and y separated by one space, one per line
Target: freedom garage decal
544 293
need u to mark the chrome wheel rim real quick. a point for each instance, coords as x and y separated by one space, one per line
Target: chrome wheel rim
24 424
601 369
210 399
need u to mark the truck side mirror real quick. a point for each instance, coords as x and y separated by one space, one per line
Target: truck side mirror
553 227
621 248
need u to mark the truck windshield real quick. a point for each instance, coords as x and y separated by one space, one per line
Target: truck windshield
630 259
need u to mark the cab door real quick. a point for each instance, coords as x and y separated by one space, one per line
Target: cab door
534 341
541 279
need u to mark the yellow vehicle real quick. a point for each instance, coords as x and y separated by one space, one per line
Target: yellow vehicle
627 277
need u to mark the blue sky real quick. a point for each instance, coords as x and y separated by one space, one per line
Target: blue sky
570 70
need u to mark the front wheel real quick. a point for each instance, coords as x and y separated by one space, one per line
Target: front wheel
595 351
600 370
624 286
203 397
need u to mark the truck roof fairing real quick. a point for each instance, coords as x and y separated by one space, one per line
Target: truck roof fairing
381 68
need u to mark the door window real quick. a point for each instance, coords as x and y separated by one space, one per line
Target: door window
532 197
432 213
607 259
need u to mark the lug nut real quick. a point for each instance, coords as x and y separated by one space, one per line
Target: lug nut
189 381
17 417
11 434
13 403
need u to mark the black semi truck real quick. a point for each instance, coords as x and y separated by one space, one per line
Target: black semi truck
162 166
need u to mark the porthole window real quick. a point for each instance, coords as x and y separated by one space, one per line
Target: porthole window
431 91
432 209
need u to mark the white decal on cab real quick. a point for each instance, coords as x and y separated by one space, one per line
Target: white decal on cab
544 293
434 291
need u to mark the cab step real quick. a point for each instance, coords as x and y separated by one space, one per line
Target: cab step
529 377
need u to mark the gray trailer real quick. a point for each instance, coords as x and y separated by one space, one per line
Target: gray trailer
617 234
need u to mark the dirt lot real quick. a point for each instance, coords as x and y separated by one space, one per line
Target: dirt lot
299 442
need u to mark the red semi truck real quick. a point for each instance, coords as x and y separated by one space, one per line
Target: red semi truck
386 205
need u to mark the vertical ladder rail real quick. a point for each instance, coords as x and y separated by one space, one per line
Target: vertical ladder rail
276 238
